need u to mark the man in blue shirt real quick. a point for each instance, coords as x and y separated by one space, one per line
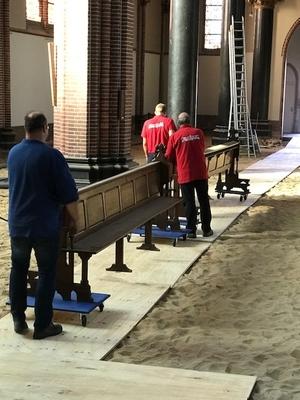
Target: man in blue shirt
40 183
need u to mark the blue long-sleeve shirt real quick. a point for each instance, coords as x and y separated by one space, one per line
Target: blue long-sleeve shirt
40 182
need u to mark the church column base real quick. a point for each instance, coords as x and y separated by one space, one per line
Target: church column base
263 128
220 134
89 170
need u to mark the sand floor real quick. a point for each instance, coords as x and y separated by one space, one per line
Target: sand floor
238 308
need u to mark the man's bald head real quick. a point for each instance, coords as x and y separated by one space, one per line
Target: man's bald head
183 118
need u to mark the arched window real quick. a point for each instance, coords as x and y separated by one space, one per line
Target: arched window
33 10
40 11
211 15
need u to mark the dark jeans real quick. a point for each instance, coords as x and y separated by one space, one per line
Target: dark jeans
150 157
188 193
46 254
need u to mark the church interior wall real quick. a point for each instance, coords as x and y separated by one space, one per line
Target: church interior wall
30 83
153 26
285 15
17 11
151 82
291 112
29 68
208 85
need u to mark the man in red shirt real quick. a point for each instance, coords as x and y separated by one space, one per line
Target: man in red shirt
186 149
157 130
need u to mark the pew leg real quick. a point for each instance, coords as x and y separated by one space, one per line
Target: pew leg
148 245
119 265
83 289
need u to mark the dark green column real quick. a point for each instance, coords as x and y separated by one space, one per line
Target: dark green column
235 8
183 57
262 60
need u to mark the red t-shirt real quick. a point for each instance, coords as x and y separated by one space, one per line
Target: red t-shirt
156 131
186 148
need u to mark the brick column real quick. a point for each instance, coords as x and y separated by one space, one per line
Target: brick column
92 127
5 111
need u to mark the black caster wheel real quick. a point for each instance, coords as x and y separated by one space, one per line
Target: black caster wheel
101 307
83 320
128 237
218 196
245 197
241 198
223 195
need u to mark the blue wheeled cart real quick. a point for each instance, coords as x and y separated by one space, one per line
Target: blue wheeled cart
81 307
175 235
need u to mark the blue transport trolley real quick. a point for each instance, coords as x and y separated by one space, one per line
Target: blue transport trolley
81 307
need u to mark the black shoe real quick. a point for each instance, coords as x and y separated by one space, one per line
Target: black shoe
192 235
208 233
51 330
20 326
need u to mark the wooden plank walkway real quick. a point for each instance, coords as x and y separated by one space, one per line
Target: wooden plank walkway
134 294
71 379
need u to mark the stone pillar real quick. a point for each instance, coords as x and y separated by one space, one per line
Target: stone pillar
140 56
92 124
5 111
263 10
165 12
183 57
235 8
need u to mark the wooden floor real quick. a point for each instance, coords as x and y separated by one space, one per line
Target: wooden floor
132 296
91 380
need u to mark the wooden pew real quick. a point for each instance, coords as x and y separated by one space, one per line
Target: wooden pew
223 159
108 211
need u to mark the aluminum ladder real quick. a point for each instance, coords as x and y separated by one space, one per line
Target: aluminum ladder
239 125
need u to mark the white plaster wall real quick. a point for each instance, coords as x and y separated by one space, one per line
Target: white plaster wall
151 82
285 15
17 11
292 94
153 26
30 79
208 85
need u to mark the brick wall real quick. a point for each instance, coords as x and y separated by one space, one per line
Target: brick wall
70 114
94 78
5 111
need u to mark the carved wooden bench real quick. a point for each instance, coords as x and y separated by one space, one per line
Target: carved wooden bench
112 208
108 211
223 159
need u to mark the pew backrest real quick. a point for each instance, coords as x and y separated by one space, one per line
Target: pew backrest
103 201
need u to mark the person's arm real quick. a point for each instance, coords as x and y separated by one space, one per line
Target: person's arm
170 152
145 146
172 128
72 211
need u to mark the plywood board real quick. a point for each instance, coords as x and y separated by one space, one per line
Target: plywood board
89 380
127 306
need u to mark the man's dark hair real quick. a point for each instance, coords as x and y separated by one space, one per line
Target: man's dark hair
183 119
34 121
